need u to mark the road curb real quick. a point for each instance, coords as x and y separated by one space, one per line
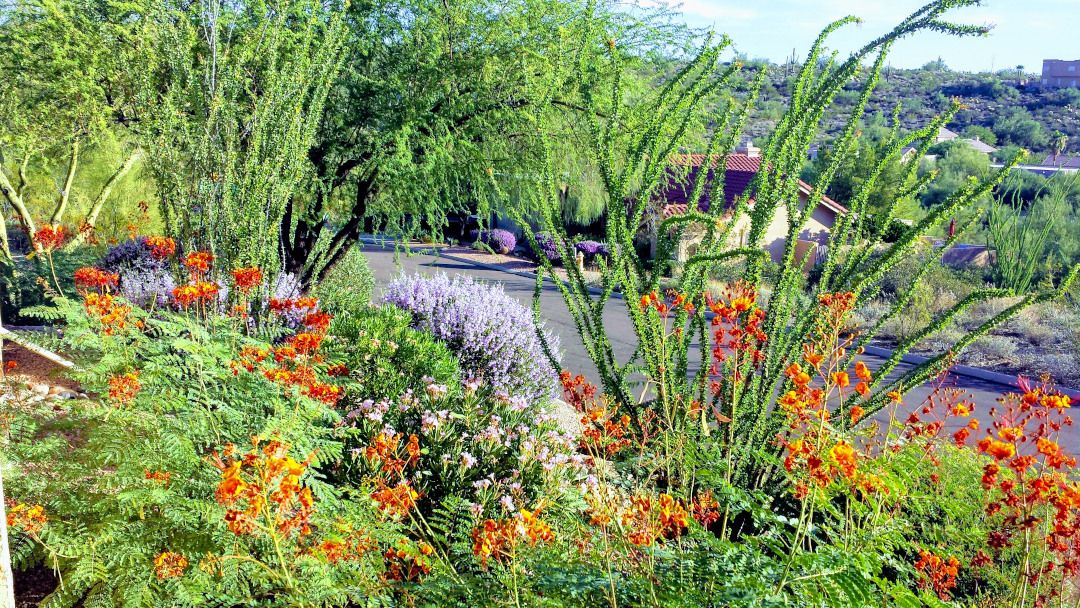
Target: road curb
962 370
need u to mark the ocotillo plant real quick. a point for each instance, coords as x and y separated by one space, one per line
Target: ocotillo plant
1018 237
633 146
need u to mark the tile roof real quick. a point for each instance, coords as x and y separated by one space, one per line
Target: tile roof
740 171
980 145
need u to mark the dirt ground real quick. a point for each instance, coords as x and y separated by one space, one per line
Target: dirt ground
34 367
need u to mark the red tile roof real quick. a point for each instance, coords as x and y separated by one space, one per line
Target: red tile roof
741 170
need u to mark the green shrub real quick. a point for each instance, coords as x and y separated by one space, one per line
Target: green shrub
385 356
348 286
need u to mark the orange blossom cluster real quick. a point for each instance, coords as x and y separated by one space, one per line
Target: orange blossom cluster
499 540
1037 497
644 519
408 563
937 573
87 278
122 389
169 565
251 483
50 237
107 310
161 247
29 519
247 279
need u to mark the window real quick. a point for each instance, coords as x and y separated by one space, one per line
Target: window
1072 68
1046 81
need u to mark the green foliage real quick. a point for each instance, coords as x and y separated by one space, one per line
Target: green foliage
348 287
1019 238
386 357
239 107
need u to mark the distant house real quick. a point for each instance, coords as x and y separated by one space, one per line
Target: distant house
944 135
674 199
1061 74
1062 161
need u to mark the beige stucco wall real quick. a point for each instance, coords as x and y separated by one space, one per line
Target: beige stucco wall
817 229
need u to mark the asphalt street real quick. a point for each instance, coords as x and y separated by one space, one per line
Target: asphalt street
386 265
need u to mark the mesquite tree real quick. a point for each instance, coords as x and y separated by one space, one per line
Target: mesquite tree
632 146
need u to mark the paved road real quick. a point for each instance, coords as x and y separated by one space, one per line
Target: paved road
386 266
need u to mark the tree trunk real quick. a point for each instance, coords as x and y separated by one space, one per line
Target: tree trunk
99 202
345 238
12 195
65 194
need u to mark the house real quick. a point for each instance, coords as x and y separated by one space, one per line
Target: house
944 135
1061 74
742 166
1062 161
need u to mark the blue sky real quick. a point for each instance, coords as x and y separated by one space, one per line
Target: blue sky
1025 32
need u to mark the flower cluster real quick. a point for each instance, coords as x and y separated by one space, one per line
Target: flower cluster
666 304
29 519
1031 496
547 247
500 539
500 241
50 237
644 519
123 388
737 333
295 360
247 279
937 573
92 278
493 334
169 565
108 311
593 251
262 489
408 563
198 264
161 247
396 501
347 547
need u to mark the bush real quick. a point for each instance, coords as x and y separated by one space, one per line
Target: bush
385 356
492 334
593 251
500 241
132 254
547 248
348 286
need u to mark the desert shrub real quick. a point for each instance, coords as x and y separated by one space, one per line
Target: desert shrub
499 240
492 334
499 453
547 248
386 356
348 285
592 251
992 349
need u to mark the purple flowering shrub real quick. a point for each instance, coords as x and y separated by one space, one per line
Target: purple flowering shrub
498 452
547 247
492 333
593 251
500 241
132 254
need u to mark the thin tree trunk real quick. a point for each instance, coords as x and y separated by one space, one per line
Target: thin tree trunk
5 246
99 202
65 194
7 577
12 195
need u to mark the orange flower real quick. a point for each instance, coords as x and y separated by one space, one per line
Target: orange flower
895 396
862 388
840 379
857 412
247 279
30 519
844 456
862 372
122 389
161 247
50 237
198 263
169 565
318 321
998 449
93 278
